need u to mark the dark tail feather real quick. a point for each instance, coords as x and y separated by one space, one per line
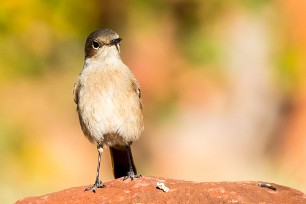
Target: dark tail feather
120 161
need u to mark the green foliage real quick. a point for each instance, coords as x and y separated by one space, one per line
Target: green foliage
32 32
254 4
200 49
286 64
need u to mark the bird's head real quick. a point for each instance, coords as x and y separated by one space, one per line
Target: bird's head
101 44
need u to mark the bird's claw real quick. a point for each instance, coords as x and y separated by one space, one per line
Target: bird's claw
98 184
131 175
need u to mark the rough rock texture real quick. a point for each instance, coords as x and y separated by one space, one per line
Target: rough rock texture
143 190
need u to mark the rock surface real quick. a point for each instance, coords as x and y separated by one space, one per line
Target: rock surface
143 190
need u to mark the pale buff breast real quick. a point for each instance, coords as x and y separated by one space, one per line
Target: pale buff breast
109 107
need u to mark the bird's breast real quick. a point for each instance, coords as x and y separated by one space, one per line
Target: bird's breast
108 105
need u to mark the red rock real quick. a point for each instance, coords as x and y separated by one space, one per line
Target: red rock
143 190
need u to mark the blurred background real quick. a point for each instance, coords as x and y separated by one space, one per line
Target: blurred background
223 87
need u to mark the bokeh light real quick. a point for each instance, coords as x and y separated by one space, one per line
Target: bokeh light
223 88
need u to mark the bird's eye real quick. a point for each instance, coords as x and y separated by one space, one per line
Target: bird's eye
95 44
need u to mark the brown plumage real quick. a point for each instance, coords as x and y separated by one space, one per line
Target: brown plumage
108 102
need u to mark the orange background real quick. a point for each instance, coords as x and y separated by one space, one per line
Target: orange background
223 87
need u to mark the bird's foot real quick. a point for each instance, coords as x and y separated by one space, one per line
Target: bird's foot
98 184
131 175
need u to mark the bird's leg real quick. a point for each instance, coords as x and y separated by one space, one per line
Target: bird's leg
98 183
131 173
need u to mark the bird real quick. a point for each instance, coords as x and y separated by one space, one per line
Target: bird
109 106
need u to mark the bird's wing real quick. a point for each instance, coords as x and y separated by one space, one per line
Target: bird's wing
139 92
136 88
76 89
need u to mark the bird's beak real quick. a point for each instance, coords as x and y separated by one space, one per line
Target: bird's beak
116 43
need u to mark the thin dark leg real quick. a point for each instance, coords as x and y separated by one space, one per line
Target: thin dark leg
98 183
131 173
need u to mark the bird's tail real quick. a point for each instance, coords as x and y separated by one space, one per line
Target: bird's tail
120 161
